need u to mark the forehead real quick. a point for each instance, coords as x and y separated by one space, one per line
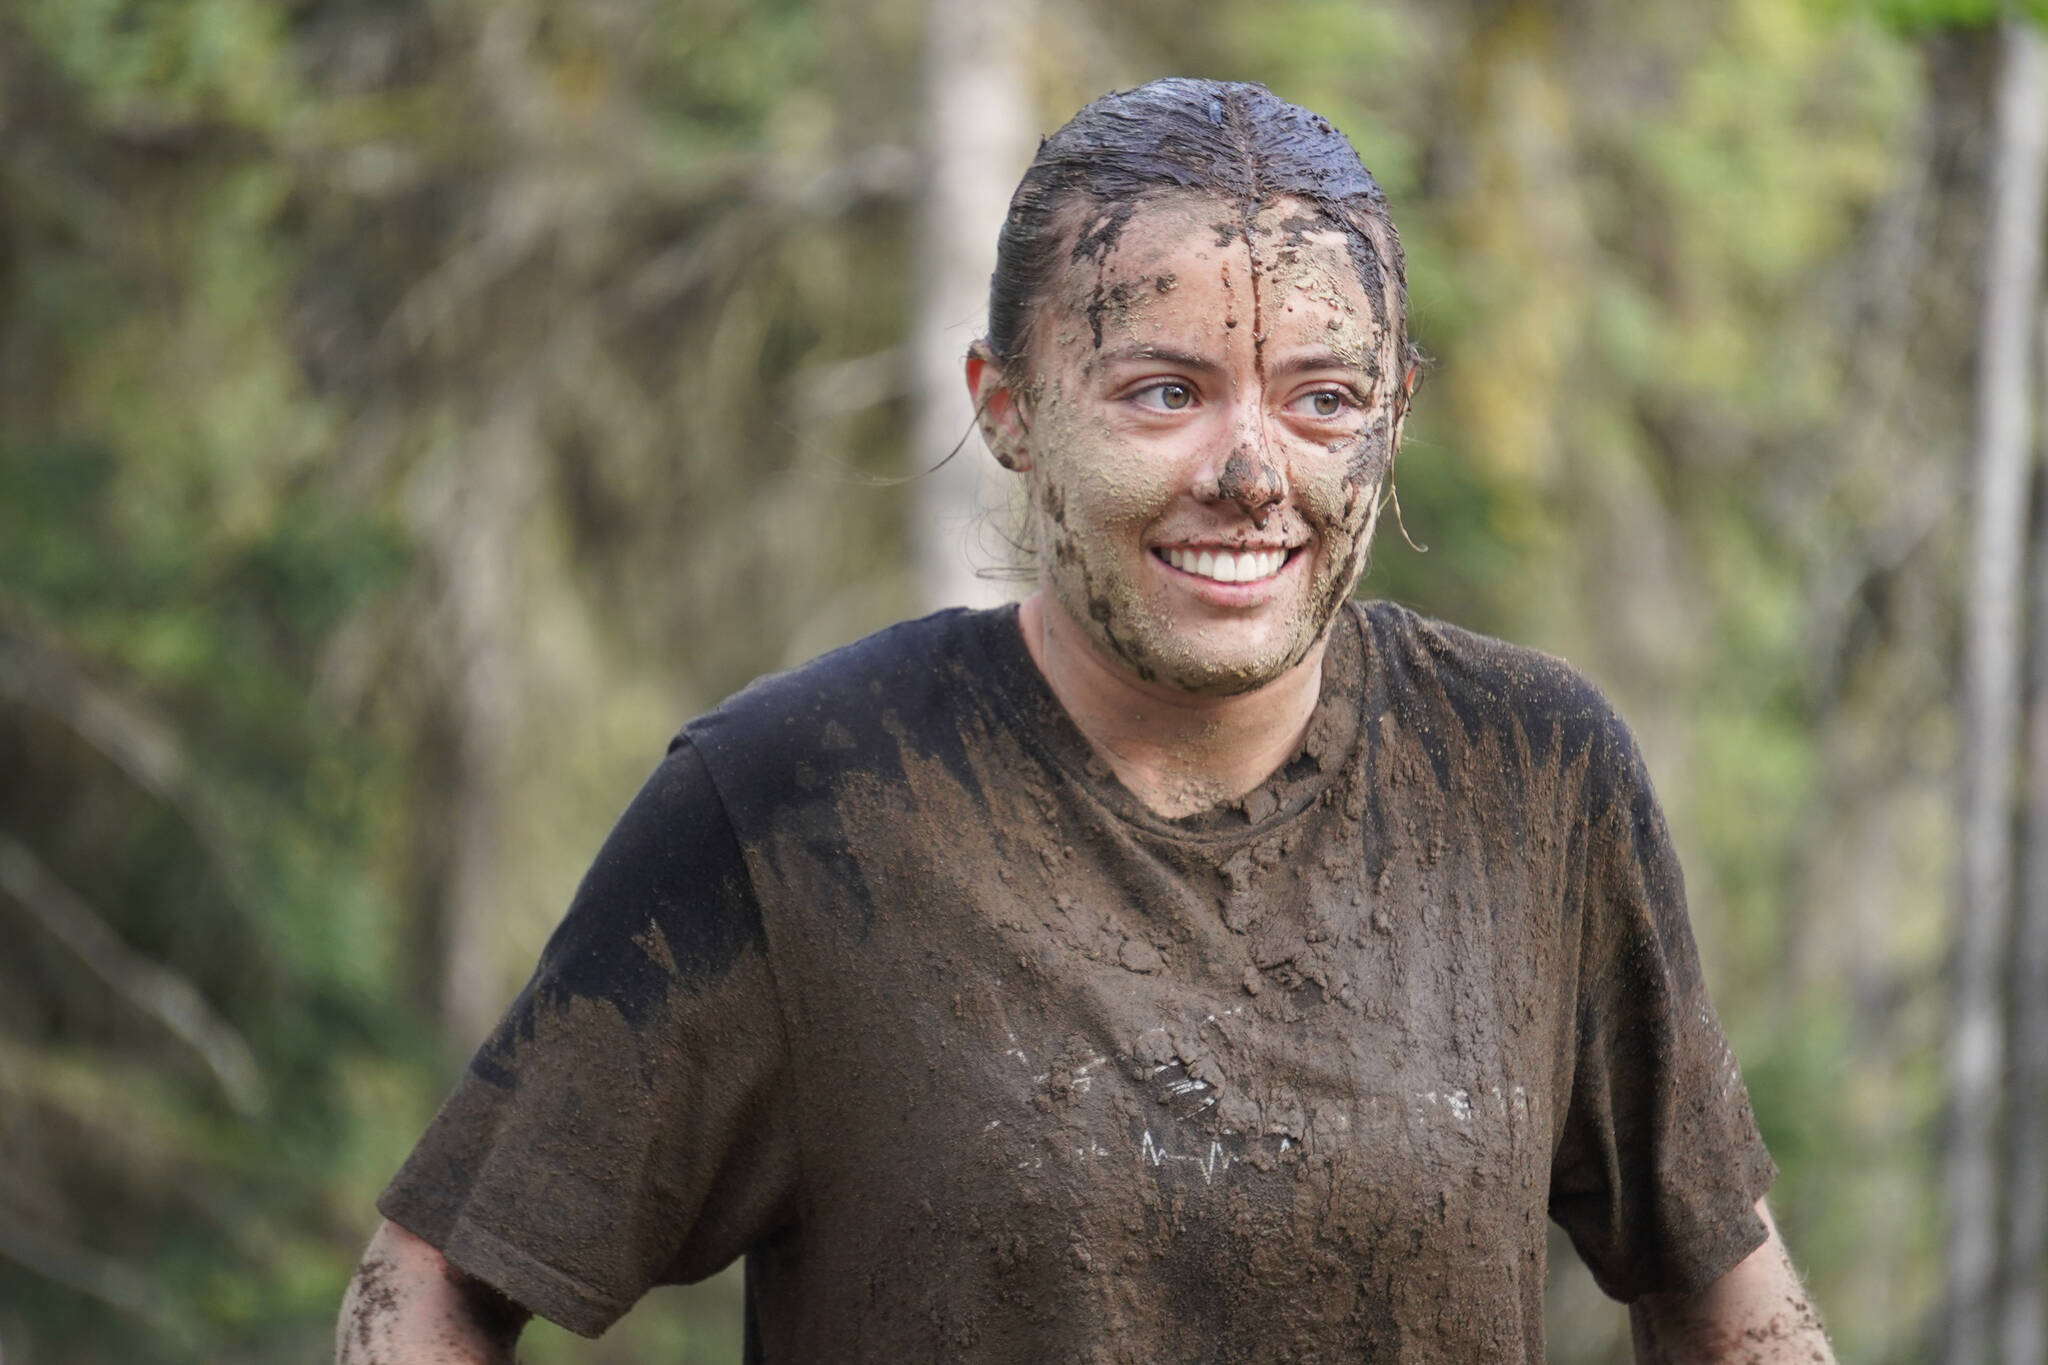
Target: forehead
1174 221
1186 261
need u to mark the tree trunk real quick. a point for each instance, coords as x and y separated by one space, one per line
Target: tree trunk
477 542
2023 1316
1976 1044
977 130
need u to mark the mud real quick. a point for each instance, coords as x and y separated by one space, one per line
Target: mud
1249 480
371 1304
1094 242
1251 207
1017 1070
1256 1083
386 1321
1790 1334
1105 487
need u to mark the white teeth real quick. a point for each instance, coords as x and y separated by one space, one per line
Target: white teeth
1224 567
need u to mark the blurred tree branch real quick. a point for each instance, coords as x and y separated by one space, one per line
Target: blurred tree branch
143 749
150 986
118 1286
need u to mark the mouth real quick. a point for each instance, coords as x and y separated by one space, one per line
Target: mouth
1225 566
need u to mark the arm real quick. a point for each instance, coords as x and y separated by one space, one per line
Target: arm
408 1306
1757 1312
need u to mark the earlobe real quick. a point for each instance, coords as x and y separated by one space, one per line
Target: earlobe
997 410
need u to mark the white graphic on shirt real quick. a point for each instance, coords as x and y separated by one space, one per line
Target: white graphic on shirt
1216 1159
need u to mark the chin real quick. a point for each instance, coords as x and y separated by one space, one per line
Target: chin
1181 664
1162 643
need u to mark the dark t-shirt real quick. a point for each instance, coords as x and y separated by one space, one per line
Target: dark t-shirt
887 984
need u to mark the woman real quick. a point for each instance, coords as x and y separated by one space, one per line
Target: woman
1184 965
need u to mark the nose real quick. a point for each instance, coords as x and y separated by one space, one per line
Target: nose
1250 477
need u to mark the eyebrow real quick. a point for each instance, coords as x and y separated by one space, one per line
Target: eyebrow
1325 360
1189 360
1186 360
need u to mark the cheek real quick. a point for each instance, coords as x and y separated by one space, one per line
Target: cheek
1370 457
1337 491
1093 483
1341 493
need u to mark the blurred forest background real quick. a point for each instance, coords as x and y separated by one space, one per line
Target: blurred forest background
411 412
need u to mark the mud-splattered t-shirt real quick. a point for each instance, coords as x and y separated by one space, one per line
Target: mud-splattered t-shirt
885 983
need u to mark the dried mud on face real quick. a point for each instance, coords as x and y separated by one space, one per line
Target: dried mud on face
1235 308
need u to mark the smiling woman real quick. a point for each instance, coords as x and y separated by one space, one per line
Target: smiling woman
1183 965
1246 348
1234 402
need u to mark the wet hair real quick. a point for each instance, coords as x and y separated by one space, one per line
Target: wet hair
1236 141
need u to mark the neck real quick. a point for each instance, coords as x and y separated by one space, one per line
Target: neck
1176 752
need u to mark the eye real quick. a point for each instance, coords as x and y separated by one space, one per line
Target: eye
1324 404
1168 395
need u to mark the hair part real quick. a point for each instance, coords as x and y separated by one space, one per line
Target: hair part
1234 140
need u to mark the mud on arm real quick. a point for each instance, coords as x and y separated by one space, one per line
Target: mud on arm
408 1306
1757 1312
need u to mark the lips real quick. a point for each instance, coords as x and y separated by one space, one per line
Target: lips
1225 566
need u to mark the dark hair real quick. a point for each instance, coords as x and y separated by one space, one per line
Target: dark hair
1235 140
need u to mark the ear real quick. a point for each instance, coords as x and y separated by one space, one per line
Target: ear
998 408
1411 380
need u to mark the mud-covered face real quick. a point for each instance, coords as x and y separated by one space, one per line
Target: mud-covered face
1210 421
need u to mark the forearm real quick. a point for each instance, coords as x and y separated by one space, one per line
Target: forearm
1757 1312
407 1306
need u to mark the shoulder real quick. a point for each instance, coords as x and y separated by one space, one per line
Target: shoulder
902 664
1534 704
856 709
665 913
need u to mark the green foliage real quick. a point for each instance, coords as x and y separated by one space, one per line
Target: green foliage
1911 16
293 299
1921 17
166 65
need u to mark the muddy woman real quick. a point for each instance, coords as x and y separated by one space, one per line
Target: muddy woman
1188 964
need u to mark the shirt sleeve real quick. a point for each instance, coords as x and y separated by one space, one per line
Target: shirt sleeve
626 1125
1659 1165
